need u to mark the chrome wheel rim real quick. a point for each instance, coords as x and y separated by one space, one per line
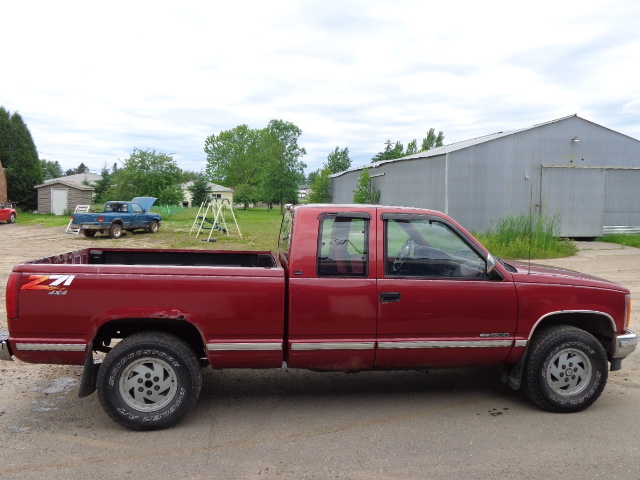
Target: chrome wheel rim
148 384
569 372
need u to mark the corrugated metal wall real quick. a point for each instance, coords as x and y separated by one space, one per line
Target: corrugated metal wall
482 183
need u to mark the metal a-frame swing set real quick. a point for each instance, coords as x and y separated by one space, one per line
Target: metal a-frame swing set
217 208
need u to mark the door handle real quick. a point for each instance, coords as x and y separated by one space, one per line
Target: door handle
390 296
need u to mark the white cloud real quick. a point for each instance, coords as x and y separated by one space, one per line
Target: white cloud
93 81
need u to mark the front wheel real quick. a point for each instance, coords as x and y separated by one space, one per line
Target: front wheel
566 370
149 381
12 218
153 226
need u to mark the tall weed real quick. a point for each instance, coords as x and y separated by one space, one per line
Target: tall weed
527 236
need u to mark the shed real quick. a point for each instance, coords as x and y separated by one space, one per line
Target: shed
61 196
585 174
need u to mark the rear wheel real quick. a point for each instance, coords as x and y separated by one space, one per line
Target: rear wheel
149 381
566 370
115 231
89 233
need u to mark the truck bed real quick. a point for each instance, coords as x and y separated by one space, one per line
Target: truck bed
187 258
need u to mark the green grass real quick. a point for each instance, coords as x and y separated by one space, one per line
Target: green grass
47 220
526 236
260 228
627 239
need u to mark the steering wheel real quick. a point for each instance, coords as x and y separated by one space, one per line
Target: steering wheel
406 250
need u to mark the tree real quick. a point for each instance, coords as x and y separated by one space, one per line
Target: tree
365 192
233 157
412 148
199 189
390 152
338 160
50 169
74 171
19 157
282 166
432 140
246 194
312 176
6 137
266 159
147 173
321 187
102 187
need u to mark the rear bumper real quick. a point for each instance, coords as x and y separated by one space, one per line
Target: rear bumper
5 353
625 344
88 226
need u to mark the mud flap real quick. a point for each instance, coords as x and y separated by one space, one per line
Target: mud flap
512 374
89 374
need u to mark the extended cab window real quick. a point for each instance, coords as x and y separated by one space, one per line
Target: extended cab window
342 246
429 248
284 241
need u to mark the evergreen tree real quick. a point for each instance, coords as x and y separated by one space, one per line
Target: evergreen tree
6 137
390 152
432 140
20 159
412 148
79 169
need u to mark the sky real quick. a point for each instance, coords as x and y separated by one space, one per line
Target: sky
94 80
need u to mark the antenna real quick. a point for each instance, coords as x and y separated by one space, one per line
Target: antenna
530 224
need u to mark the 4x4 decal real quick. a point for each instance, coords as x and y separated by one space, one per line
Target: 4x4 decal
57 286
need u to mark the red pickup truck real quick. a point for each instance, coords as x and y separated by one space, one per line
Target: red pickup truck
350 288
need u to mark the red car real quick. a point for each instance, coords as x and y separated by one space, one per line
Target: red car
7 213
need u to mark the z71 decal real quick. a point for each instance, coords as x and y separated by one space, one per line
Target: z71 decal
54 284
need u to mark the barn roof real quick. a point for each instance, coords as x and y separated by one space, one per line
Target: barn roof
452 147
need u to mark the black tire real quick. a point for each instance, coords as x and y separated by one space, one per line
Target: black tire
566 369
115 230
153 226
12 218
173 380
89 233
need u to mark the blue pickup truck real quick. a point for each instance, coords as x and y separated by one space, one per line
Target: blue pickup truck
119 217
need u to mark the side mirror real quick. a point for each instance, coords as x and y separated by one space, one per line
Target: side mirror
492 273
491 265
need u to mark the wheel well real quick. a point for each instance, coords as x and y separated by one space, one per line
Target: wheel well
597 324
119 329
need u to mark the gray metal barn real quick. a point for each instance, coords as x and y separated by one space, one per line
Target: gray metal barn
587 174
